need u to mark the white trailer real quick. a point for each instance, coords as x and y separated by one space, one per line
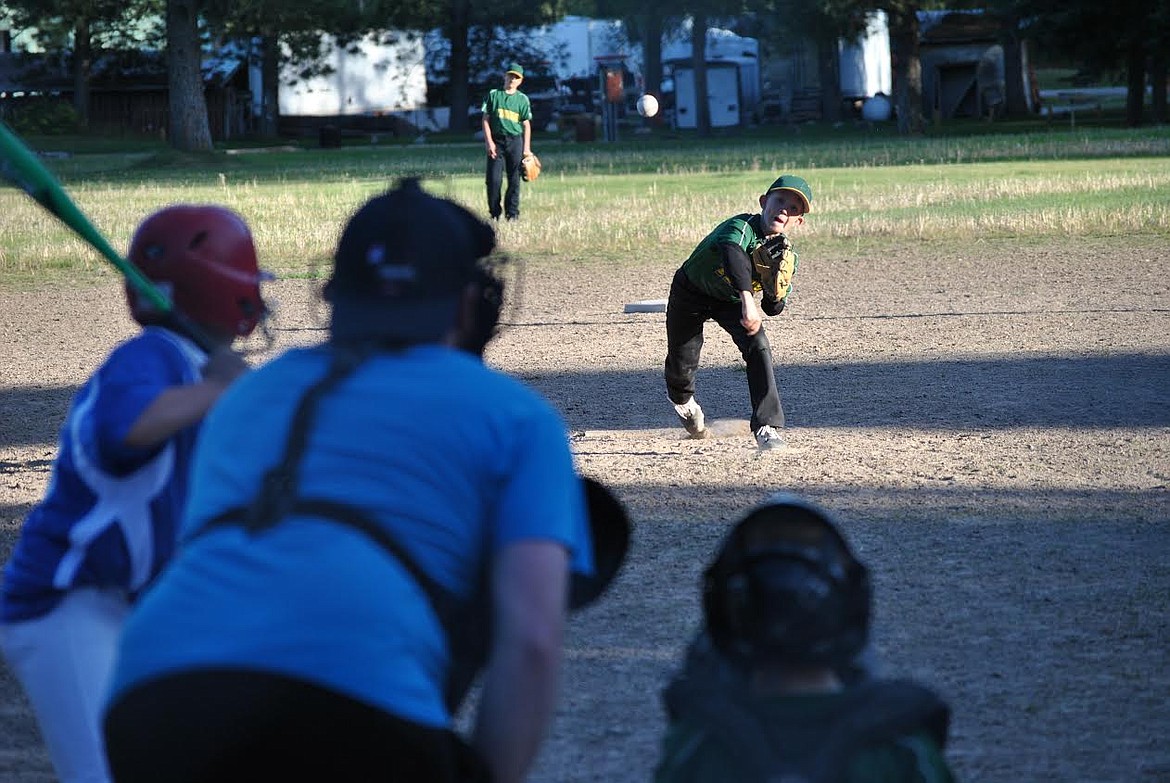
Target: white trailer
865 63
369 78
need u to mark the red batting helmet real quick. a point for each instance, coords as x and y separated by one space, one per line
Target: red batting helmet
204 258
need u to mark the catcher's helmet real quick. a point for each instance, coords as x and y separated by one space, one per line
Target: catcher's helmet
786 588
204 258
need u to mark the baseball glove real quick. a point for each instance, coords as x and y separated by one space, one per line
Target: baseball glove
775 263
529 167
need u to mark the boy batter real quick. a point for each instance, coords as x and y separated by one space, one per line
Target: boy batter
107 524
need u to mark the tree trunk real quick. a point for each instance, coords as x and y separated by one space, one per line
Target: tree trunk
1015 98
699 63
829 76
82 66
1135 83
651 24
187 126
269 125
458 29
1158 67
907 68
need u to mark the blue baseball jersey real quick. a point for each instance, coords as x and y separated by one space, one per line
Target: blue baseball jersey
110 514
454 459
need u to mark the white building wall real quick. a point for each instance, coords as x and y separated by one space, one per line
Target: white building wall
575 42
866 69
721 44
377 79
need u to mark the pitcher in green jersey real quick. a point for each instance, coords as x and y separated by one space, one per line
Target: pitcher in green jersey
745 256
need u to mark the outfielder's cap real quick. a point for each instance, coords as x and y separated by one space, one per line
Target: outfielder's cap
517 69
797 185
402 264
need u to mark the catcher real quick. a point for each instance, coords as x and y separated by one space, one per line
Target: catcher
507 135
777 684
744 256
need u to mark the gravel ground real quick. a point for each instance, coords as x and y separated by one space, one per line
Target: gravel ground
993 431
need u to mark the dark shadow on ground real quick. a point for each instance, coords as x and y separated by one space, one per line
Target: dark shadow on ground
935 537
1126 390
702 503
32 415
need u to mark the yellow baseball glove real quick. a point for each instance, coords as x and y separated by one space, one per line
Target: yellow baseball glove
775 264
529 167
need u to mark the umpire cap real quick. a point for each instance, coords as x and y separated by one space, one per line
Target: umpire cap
401 266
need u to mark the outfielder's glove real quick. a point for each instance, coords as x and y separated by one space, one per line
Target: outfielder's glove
775 263
529 167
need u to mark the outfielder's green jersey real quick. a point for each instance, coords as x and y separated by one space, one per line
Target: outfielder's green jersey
506 113
705 269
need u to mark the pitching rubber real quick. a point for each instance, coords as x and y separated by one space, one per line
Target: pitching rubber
646 306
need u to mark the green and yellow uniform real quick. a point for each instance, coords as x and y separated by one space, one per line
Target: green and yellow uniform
506 113
706 268
505 116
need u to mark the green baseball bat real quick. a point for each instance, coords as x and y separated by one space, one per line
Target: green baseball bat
20 166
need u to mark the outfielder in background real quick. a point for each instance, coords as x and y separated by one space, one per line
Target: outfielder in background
108 521
776 685
744 256
372 521
507 135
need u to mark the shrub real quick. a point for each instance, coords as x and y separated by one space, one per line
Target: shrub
45 117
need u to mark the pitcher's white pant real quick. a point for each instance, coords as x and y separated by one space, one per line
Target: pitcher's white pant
63 661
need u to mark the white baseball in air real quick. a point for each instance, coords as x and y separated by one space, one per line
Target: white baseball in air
647 105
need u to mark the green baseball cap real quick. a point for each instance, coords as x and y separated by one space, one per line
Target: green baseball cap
796 185
516 68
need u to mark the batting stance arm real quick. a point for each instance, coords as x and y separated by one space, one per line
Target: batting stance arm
181 406
529 584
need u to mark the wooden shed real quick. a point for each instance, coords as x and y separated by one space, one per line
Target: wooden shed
962 64
129 92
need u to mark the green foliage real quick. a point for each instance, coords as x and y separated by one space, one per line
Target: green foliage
112 24
45 117
1098 34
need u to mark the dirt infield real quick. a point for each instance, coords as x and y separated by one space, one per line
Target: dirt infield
993 429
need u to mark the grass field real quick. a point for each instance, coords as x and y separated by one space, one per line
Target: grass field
619 202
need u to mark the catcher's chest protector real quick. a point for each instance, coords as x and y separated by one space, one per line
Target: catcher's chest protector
876 712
